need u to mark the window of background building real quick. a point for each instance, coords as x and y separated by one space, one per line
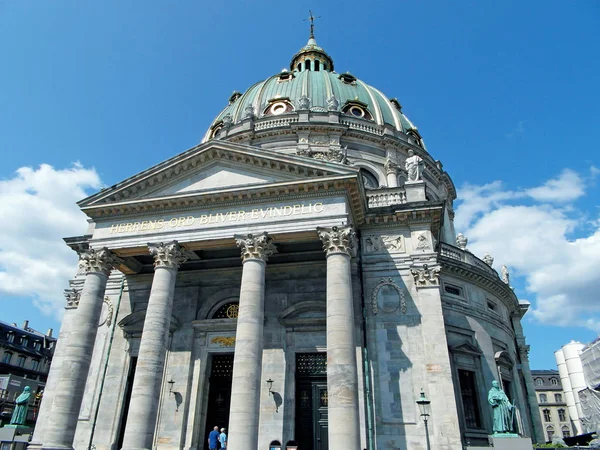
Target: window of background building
547 416
7 357
21 361
550 432
562 416
558 398
543 398
539 382
11 336
24 341
565 431
554 381
35 364
468 393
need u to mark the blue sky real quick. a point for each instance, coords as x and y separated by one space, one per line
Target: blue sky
505 94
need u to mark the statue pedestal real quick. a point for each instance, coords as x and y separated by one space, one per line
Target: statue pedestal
510 441
415 191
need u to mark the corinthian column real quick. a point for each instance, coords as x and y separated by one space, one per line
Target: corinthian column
143 409
73 372
342 380
247 361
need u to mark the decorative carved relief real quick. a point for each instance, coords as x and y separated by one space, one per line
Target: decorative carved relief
390 167
393 244
303 103
426 276
388 297
338 240
101 260
110 312
422 242
72 295
170 255
333 154
255 247
333 104
224 341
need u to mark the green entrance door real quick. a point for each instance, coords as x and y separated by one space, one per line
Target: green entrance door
311 401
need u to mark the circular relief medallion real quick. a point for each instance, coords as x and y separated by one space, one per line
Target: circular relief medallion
388 297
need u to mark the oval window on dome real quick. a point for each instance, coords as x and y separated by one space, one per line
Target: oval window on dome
215 131
357 109
278 107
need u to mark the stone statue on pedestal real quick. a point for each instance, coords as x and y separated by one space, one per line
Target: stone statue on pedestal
503 410
19 415
414 166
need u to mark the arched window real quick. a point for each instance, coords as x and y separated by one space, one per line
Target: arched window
558 398
565 431
547 415
539 382
550 432
307 64
543 398
369 180
317 65
299 67
554 381
227 311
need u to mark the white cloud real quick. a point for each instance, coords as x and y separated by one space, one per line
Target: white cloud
567 187
37 209
533 239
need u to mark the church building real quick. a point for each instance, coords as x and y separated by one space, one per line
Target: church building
296 279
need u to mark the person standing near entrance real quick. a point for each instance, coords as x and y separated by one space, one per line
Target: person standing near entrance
213 439
223 438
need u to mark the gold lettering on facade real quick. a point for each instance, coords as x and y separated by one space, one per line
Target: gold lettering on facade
224 341
216 218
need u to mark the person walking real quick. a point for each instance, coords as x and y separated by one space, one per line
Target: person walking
223 438
213 438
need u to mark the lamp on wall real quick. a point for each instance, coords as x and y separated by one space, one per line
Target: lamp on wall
270 385
171 383
424 406
425 409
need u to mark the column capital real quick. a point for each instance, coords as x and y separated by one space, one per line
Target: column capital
255 247
72 295
101 260
169 255
338 240
390 167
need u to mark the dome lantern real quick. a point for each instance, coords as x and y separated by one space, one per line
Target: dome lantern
311 56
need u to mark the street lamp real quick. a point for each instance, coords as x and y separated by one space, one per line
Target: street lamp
425 409
270 385
424 406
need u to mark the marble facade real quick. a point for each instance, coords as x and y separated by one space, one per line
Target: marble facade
316 254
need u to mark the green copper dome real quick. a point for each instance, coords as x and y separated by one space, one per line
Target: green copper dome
311 84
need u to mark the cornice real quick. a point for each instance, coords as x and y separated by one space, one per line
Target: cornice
215 150
476 275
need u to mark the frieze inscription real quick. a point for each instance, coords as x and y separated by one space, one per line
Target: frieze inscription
218 218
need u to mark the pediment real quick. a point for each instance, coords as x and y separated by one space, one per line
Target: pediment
218 175
217 166
466 348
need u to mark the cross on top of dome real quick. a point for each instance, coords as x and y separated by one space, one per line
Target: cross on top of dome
311 56
311 19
